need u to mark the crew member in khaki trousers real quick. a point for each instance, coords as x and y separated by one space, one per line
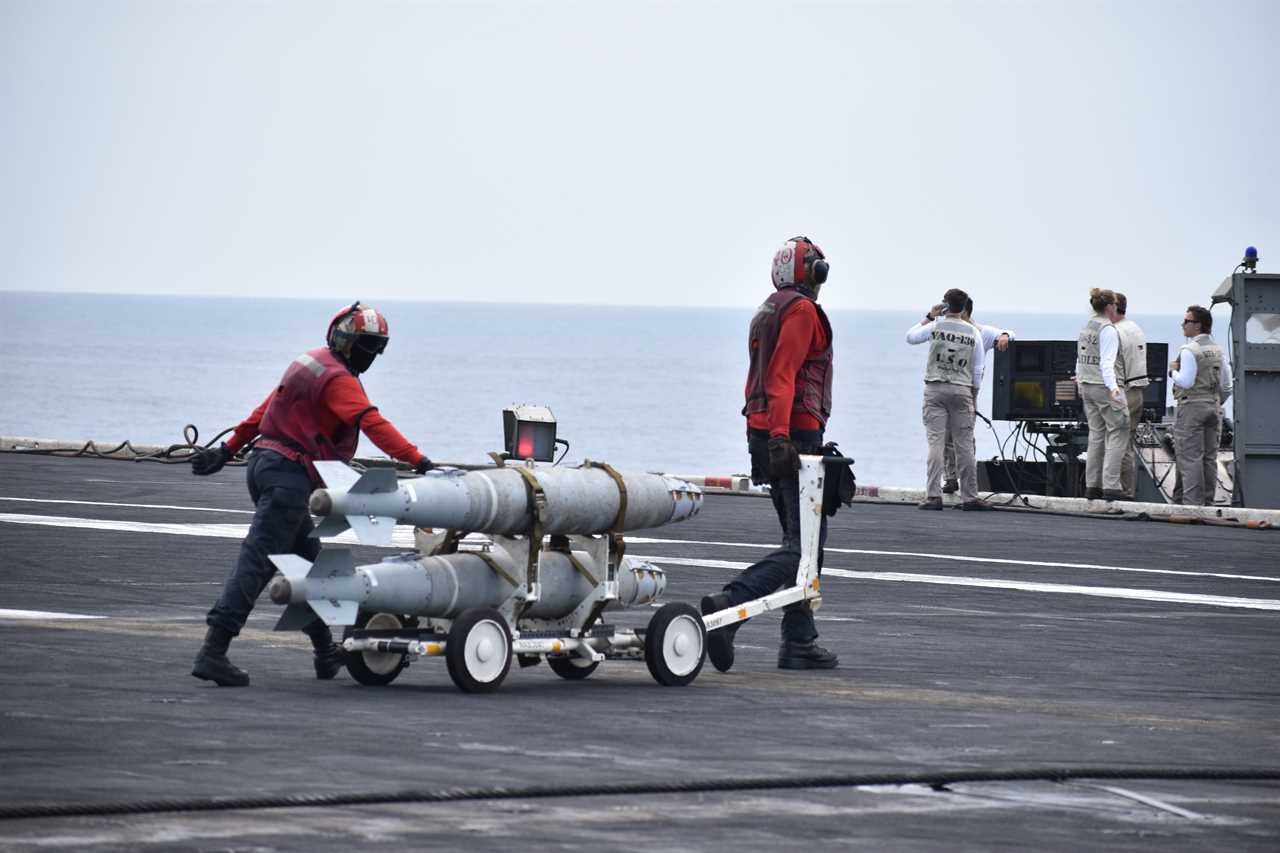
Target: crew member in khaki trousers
1104 401
1132 369
1201 384
955 364
992 336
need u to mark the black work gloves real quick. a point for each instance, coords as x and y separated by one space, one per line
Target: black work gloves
424 465
210 460
784 459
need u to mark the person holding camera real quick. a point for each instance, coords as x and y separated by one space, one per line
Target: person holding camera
992 337
952 374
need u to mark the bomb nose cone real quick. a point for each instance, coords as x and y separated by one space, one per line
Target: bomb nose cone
280 590
321 503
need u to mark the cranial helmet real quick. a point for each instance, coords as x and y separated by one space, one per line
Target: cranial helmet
359 333
799 263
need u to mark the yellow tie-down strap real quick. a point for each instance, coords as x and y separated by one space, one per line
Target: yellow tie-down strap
582 570
537 506
497 568
622 493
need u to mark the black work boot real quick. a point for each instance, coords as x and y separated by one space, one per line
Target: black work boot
720 641
950 487
329 661
329 657
211 662
213 666
810 655
1093 493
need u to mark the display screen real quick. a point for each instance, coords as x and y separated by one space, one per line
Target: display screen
1035 380
1028 359
1031 395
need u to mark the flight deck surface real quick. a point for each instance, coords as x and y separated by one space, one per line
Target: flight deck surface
967 641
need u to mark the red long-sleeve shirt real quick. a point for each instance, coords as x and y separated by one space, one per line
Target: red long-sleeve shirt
800 337
344 401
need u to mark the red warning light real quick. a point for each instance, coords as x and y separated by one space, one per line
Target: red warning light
528 432
524 444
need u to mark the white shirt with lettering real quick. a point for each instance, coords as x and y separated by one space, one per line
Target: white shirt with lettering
1108 349
922 333
1185 375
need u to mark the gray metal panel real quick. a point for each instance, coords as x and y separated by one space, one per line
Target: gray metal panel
1256 370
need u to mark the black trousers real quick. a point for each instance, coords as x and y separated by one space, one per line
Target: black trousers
280 489
778 569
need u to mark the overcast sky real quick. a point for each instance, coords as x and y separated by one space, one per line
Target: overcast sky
638 153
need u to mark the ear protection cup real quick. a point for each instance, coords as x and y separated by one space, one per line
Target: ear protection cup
819 271
814 271
799 263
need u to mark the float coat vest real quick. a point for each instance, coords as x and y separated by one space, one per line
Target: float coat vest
813 380
1089 352
951 346
291 427
1208 372
1131 366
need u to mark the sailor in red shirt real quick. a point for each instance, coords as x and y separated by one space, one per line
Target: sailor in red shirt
788 401
317 412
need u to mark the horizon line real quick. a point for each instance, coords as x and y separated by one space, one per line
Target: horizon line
482 302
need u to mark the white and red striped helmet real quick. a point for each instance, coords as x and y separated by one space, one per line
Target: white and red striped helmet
354 322
799 263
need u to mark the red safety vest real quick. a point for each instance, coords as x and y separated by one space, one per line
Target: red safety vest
290 425
813 381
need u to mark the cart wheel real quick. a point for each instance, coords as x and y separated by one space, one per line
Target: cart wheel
376 669
478 650
675 644
572 667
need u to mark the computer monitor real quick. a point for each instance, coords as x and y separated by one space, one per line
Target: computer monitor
1035 381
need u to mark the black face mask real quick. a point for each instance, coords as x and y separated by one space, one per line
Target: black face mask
364 351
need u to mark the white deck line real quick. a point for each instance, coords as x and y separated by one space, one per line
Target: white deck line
1020 586
1068 589
402 537
960 558
1149 800
43 615
131 506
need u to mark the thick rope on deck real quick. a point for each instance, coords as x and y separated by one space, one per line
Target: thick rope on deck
178 454
934 779
173 454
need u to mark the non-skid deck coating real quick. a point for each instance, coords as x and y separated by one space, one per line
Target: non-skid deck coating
983 662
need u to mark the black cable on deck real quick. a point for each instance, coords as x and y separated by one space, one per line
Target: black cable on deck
935 779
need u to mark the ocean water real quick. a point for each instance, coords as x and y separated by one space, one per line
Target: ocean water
642 388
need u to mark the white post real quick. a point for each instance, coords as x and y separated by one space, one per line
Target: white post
812 477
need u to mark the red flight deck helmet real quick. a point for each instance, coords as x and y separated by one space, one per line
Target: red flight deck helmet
799 263
352 322
359 333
